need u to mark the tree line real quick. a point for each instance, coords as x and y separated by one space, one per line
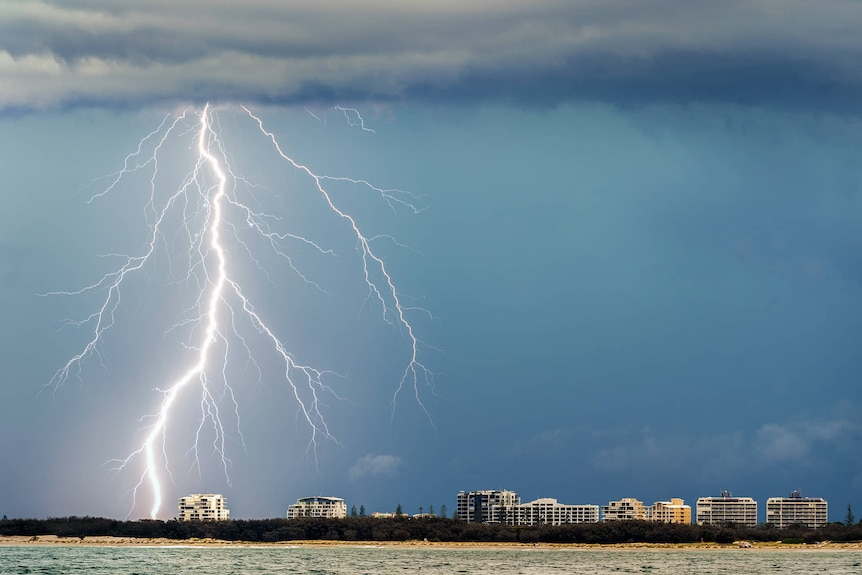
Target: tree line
405 528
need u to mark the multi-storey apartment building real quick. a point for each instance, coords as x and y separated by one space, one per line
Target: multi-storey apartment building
484 506
727 509
673 511
329 507
203 507
548 511
626 509
812 512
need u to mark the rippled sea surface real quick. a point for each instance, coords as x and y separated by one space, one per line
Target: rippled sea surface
391 561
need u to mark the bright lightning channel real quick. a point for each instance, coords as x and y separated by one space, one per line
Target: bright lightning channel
211 188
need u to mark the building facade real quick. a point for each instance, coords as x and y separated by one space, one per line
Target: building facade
547 511
727 509
673 511
626 509
203 507
328 507
812 512
484 506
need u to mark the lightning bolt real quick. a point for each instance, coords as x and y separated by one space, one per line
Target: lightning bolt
204 201
350 114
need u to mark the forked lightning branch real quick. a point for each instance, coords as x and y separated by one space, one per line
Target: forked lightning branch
206 208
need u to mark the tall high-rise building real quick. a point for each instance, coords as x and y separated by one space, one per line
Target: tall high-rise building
727 509
811 512
484 506
203 507
330 507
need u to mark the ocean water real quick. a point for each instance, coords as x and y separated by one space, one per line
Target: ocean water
67 560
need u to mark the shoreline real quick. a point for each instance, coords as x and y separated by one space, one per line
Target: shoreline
111 541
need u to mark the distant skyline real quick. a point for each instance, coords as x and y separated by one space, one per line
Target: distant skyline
638 244
350 508
435 509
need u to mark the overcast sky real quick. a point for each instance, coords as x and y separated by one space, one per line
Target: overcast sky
636 236
789 53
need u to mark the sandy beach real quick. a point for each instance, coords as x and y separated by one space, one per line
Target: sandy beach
109 541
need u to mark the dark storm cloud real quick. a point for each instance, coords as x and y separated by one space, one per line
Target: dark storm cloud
677 77
789 54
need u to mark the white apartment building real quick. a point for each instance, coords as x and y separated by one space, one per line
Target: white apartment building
727 509
548 511
812 512
673 511
203 507
484 506
626 509
329 507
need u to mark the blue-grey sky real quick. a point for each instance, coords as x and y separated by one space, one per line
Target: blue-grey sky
639 245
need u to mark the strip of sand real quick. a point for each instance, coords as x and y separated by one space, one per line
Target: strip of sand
95 541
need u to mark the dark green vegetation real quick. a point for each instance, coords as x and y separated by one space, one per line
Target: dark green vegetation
430 528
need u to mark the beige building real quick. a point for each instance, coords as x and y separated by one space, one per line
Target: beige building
812 512
484 506
626 509
329 507
547 511
727 509
203 507
673 511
